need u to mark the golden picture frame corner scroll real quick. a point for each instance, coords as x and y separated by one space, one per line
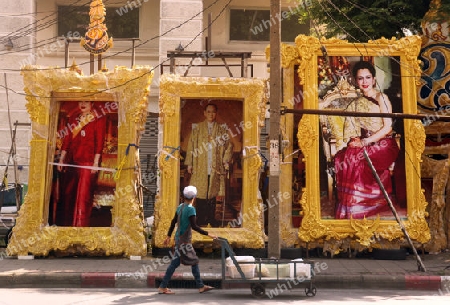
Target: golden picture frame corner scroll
252 94
336 235
123 90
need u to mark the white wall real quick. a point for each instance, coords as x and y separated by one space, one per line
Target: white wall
220 32
15 20
119 55
157 19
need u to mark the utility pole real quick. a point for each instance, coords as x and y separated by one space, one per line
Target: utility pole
274 132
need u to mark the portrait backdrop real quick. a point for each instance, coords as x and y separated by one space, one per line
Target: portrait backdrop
230 118
338 90
101 196
52 95
241 105
327 84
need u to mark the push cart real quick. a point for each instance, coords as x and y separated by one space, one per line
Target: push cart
262 273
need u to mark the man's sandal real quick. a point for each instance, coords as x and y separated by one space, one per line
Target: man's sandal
205 289
165 291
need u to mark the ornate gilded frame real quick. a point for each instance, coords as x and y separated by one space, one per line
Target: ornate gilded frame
363 232
45 88
173 89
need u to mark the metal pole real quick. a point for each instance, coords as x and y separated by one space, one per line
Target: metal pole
99 62
133 53
92 61
17 187
274 133
420 265
12 153
209 38
172 64
66 53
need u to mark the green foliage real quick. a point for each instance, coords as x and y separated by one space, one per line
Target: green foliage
361 20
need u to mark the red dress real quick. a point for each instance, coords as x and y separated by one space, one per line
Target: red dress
358 192
81 145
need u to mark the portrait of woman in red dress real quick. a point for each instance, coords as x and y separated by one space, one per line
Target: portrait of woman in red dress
349 189
358 192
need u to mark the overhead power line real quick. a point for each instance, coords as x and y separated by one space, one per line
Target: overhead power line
161 63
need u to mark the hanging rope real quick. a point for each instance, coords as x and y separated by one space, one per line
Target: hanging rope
170 155
124 159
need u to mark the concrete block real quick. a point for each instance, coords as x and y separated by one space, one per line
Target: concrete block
181 9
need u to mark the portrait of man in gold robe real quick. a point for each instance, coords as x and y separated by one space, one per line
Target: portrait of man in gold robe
211 151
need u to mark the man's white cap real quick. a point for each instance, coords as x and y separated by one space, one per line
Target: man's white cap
190 192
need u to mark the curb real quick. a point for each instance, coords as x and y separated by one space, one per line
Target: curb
98 280
423 282
399 282
150 280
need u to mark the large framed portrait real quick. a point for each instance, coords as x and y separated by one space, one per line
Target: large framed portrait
211 140
212 129
85 162
84 193
342 199
348 189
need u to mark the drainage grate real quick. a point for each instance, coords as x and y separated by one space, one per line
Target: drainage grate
189 283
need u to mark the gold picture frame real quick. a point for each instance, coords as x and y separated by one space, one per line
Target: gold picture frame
175 90
373 231
47 89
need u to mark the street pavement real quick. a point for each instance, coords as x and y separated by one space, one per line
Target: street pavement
146 272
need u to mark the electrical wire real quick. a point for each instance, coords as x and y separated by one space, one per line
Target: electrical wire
365 46
31 28
126 50
35 26
170 30
345 32
144 42
349 19
26 30
362 31
377 15
161 63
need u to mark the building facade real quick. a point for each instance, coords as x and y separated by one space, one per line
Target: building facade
47 33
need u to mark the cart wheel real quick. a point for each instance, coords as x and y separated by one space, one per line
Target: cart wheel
258 290
310 292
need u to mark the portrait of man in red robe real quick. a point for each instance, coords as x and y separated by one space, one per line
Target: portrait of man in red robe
86 135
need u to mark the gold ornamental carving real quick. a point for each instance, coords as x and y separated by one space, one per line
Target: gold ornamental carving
307 47
173 90
306 134
251 154
375 231
417 138
288 236
289 55
46 88
96 39
417 227
365 229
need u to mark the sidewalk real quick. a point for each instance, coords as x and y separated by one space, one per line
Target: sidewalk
109 272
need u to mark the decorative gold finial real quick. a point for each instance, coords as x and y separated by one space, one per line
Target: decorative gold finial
104 68
96 39
75 67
